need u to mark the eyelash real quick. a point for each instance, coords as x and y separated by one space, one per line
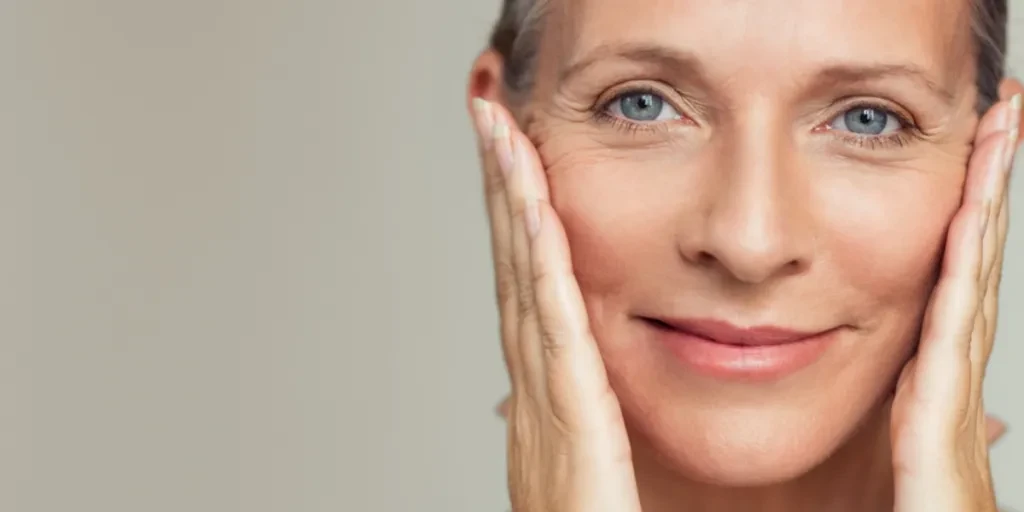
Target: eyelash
901 138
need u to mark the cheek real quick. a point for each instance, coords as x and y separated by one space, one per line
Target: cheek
620 228
887 240
602 231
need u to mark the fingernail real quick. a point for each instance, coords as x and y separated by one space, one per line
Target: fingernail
484 121
503 147
1016 102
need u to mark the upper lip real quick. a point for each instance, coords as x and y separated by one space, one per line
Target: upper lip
729 334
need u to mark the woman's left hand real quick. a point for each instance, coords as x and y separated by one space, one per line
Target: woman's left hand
939 432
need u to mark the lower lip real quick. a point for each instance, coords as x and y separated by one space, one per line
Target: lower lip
767 362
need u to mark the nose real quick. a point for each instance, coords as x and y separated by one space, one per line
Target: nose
751 226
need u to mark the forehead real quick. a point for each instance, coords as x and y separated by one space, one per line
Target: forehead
780 37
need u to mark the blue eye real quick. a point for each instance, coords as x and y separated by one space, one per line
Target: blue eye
867 121
642 107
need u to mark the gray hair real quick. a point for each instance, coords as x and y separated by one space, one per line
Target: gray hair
516 37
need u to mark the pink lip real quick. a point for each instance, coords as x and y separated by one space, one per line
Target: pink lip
722 350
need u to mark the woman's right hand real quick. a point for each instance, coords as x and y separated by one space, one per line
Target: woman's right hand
567 445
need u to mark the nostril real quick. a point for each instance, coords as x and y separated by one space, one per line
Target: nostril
706 258
793 267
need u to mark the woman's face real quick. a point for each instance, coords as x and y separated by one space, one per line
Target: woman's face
785 165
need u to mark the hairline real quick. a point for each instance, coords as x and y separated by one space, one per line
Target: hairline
518 37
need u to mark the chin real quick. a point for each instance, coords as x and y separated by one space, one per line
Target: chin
740 434
736 448
743 430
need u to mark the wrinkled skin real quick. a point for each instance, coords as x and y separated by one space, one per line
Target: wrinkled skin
750 200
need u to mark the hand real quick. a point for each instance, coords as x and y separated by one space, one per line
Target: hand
939 431
567 444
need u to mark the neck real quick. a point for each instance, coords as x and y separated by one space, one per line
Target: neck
856 478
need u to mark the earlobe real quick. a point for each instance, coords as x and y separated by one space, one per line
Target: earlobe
486 78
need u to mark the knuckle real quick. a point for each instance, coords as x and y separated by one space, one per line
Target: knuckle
548 275
517 210
527 305
494 186
553 333
554 323
540 278
505 281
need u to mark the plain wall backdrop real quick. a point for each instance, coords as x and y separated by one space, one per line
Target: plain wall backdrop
245 265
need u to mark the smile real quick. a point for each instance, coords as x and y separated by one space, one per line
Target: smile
723 351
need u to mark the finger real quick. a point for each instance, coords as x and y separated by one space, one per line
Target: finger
1000 118
993 194
577 380
991 299
996 185
525 173
996 242
995 429
997 118
950 323
1004 119
581 401
993 243
518 169
983 345
501 238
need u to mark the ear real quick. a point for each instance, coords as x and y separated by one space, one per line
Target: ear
486 79
1007 89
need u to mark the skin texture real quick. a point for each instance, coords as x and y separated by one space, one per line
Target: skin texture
748 206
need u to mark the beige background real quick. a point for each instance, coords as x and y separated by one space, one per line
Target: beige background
244 261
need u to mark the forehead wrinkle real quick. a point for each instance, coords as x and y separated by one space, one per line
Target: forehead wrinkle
941 70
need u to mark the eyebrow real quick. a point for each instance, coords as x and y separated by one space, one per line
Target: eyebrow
651 54
687 64
855 74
